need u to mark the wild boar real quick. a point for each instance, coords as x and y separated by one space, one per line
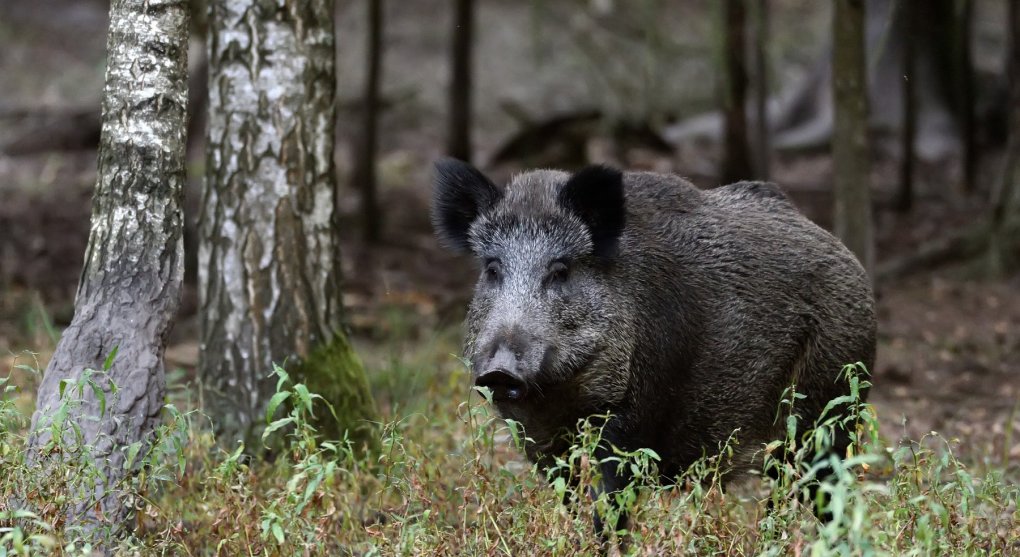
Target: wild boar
683 314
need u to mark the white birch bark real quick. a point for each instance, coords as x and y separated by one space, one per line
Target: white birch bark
130 284
268 261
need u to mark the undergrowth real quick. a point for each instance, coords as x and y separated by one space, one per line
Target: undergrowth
450 479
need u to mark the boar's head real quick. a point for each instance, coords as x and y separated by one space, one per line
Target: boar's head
546 330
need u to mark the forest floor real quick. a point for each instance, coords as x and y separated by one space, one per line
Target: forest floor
949 338
948 357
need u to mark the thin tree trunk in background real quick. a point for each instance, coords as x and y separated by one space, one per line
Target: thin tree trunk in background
1005 193
905 195
366 173
269 260
762 90
131 281
850 150
737 158
965 94
459 136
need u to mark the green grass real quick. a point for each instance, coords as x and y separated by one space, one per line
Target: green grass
448 480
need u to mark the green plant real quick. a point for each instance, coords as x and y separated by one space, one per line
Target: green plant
450 479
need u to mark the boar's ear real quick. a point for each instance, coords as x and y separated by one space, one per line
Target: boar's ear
595 194
460 194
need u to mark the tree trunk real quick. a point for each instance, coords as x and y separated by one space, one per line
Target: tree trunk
801 116
965 93
1004 198
269 255
131 280
737 161
905 196
850 154
365 175
460 84
761 71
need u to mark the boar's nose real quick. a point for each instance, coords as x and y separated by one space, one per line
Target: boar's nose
501 376
505 386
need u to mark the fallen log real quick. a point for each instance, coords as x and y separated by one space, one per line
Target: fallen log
562 140
967 243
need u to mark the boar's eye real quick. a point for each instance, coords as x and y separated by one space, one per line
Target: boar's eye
558 273
493 271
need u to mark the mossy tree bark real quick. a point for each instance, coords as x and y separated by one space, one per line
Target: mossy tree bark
850 150
269 256
131 279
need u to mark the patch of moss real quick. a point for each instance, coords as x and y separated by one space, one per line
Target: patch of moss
334 371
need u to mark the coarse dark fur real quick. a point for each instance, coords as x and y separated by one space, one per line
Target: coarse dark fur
685 314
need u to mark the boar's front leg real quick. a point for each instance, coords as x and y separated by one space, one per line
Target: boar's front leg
615 478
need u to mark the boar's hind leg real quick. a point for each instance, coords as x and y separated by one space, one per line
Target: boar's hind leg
810 495
820 506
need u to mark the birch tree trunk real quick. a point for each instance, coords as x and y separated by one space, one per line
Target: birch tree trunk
130 284
269 275
850 151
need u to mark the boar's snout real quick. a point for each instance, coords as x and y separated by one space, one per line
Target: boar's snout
502 375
